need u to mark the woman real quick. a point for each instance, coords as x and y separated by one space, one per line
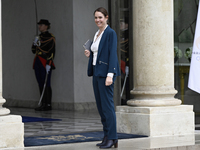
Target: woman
104 67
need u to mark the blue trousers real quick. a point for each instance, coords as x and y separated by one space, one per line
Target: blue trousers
105 105
40 73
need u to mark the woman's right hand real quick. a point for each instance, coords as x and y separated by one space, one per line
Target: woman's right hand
87 53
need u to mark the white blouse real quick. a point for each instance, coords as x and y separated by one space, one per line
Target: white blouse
95 46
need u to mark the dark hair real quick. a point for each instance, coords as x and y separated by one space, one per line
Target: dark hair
102 10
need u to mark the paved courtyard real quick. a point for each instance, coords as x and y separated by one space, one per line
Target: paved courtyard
84 121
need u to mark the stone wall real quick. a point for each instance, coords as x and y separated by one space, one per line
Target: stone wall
72 23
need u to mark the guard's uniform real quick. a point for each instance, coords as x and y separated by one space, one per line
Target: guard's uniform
45 54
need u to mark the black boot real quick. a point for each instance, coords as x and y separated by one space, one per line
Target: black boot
40 108
48 95
42 105
109 144
103 141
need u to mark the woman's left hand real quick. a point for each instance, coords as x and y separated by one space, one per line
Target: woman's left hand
87 53
109 81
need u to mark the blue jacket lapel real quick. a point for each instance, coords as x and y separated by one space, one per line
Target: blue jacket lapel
103 38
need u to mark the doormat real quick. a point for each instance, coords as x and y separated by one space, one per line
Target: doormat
37 119
72 138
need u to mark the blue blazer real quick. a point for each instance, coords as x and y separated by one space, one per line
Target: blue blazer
107 61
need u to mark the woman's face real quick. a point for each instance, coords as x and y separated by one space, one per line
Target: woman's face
100 19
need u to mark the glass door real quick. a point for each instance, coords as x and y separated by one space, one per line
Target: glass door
126 50
121 21
185 15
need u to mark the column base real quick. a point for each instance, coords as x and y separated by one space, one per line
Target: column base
153 97
3 111
154 103
155 121
12 131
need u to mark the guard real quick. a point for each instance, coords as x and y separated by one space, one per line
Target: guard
44 49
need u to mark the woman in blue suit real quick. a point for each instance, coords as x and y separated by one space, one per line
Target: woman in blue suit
104 67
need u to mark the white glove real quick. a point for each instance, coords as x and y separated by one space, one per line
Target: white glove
35 44
36 41
48 68
127 70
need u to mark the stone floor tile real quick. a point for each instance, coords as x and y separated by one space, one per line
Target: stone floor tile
192 147
166 149
197 147
182 148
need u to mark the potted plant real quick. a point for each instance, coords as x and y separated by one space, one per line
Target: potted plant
188 53
177 53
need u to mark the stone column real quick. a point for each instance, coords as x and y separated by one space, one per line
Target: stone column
3 111
157 112
153 54
11 126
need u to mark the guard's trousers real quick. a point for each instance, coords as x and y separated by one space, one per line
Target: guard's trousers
40 73
105 105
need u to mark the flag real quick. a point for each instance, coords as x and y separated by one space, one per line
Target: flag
194 75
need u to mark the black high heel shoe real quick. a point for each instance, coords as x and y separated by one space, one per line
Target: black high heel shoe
103 141
109 144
